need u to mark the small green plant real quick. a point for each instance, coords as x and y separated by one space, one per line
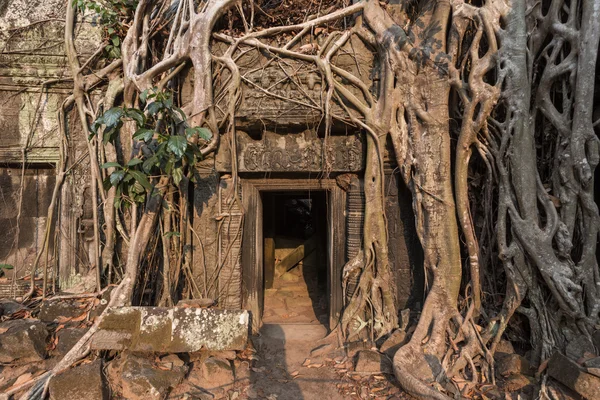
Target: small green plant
110 15
4 267
164 146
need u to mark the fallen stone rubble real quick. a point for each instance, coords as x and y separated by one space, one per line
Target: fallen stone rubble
34 338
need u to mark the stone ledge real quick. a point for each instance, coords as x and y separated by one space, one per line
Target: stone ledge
171 330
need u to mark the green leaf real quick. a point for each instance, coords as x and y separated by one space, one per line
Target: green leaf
143 134
114 52
118 198
136 115
134 161
142 179
108 135
168 165
177 175
112 116
115 40
204 133
149 163
154 107
144 95
116 177
139 198
177 144
106 184
171 234
111 165
6 266
137 188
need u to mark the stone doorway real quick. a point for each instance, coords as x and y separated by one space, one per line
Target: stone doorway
295 257
259 278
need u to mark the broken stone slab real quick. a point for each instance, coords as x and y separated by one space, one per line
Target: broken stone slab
216 373
596 340
22 341
104 300
9 307
515 382
511 364
594 371
393 343
141 379
372 362
54 310
504 347
578 347
67 338
354 347
82 382
568 372
171 330
592 363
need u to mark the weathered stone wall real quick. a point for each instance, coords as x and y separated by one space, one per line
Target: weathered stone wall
32 53
33 84
22 236
287 95
405 252
204 238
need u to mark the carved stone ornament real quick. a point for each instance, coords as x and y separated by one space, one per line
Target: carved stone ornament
293 152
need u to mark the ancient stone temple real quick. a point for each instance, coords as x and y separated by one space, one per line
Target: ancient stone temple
278 248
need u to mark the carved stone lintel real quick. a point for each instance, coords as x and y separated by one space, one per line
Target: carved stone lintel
293 152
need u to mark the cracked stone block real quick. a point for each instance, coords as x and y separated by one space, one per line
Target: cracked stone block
171 330
141 379
22 341
509 364
82 382
393 343
67 338
53 310
214 375
578 347
515 382
9 307
570 374
372 362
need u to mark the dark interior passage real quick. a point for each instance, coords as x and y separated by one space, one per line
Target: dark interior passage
295 257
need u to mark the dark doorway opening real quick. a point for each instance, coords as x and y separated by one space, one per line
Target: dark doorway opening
295 257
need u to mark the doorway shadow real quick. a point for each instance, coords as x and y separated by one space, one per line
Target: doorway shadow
272 373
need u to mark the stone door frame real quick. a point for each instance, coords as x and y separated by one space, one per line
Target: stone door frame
252 241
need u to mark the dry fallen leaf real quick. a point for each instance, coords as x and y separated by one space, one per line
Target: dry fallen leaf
80 318
63 320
